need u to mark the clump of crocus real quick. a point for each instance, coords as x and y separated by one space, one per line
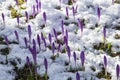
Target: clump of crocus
98 13
75 58
105 64
29 33
82 57
68 52
46 68
104 35
44 17
117 71
27 17
17 37
3 18
77 76
80 26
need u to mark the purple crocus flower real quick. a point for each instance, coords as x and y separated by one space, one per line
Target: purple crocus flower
27 17
28 61
37 1
77 76
74 56
29 32
105 62
73 10
98 13
66 34
16 34
68 52
3 18
6 40
25 40
53 48
18 21
50 38
59 47
65 40
117 71
82 57
34 12
34 43
104 34
44 40
55 33
38 41
17 2
67 12
46 64
62 27
44 17
80 25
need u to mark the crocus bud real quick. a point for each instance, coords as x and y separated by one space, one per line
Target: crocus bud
105 62
104 34
74 56
28 61
62 27
46 64
29 32
6 40
117 71
50 38
98 13
18 21
38 41
69 52
80 26
16 34
67 12
82 57
3 18
27 17
34 12
53 48
77 76
25 40
55 33
44 17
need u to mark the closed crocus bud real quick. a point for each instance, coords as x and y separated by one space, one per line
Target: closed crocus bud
6 40
27 17
62 27
34 12
104 34
98 13
25 40
44 17
67 12
53 48
17 2
55 33
18 20
29 33
77 76
66 34
73 10
34 55
74 56
105 62
16 34
28 61
50 38
59 47
44 40
39 41
80 26
34 43
3 18
82 57
68 52
46 64
65 41
117 71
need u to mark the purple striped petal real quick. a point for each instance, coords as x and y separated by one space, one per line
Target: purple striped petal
16 34
82 57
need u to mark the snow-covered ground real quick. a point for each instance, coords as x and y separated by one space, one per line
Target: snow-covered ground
92 34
